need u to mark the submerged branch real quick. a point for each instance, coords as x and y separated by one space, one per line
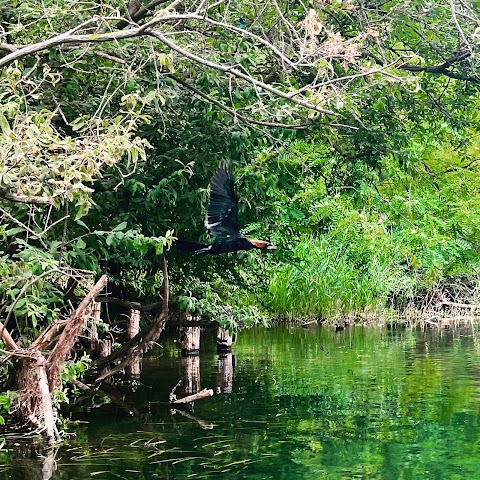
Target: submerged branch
206 392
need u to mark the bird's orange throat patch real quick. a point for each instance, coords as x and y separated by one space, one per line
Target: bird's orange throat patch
262 244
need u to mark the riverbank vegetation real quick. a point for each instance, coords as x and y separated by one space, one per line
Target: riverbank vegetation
351 131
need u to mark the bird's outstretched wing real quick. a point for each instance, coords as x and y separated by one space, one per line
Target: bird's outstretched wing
222 213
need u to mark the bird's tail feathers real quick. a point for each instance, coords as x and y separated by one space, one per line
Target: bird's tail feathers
187 246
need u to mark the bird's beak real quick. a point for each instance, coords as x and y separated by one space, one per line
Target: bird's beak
270 246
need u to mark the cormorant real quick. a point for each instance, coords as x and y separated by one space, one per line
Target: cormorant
221 220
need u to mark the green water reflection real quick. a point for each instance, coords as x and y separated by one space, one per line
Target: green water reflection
304 404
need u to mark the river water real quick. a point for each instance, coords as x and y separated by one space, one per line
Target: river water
290 403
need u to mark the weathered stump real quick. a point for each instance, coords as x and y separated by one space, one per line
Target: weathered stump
224 340
226 366
133 323
133 327
190 365
190 338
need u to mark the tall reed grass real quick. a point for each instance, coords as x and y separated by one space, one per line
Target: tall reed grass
324 282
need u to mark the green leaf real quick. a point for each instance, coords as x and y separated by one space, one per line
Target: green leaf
13 231
4 125
120 226
82 223
80 212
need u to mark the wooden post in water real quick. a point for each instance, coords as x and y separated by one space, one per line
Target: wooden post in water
95 319
133 323
190 337
224 340
133 327
105 350
105 347
226 365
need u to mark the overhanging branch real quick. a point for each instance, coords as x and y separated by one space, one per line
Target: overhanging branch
30 199
234 114
71 37
230 70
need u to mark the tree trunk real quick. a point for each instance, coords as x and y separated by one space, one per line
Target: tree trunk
133 324
190 341
37 378
190 338
105 347
35 398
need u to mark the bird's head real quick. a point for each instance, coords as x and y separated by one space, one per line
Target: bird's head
262 244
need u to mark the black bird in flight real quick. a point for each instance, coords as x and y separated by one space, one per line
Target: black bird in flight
221 220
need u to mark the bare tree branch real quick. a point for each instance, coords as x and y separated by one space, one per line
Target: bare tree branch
71 37
141 13
7 338
109 57
236 73
439 70
125 303
8 47
235 114
31 199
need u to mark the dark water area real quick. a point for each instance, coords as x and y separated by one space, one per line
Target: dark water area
301 405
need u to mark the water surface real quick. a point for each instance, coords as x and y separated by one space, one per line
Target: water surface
302 404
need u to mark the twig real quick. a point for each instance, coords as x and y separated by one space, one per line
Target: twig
172 396
109 57
28 229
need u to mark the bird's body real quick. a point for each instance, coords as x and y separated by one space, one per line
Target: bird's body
221 220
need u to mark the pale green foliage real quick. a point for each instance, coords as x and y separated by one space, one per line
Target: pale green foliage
38 159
